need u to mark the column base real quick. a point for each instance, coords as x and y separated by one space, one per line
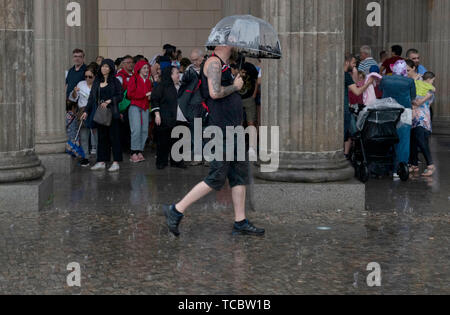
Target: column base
20 166
26 196
282 197
58 164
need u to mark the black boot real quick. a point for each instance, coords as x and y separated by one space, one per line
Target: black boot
247 228
173 219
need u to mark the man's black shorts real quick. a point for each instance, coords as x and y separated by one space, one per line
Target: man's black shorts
236 171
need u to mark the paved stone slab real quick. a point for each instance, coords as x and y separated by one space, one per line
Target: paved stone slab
111 224
27 196
285 197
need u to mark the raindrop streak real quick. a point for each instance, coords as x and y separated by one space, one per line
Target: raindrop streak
324 228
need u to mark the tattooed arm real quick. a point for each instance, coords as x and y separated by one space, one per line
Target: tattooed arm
213 70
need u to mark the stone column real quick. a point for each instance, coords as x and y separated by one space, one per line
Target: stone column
349 8
439 63
84 36
22 182
49 85
399 26
234 7
303 94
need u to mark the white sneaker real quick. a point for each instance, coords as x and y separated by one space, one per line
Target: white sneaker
98 167
114 168
395 176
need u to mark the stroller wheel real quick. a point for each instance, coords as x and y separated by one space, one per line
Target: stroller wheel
364 173
403 172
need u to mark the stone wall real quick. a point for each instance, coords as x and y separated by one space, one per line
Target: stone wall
144 26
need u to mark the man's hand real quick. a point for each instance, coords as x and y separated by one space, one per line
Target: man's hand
84 116
104 105
238 82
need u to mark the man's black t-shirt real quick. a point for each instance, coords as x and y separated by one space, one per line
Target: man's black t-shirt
227 111
347 82
73 78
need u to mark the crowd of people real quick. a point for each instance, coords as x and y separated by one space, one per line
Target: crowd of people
405 80
146 100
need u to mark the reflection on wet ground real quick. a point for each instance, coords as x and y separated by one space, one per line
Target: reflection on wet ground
111 225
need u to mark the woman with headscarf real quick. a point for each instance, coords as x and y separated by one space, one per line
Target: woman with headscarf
164 101
403 90
106 93
139 91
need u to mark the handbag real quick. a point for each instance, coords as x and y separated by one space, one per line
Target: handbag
103 116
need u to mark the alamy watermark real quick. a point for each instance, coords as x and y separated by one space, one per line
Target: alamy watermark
74 17
214 143
74 277
374 278
374 18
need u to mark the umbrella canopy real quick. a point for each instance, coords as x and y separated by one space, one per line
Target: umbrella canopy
254 37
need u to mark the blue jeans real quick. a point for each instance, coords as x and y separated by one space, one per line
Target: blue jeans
139 122
403 147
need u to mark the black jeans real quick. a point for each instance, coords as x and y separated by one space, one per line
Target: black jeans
164 144
109 138
420 139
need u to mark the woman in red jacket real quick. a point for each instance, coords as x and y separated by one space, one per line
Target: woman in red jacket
139 92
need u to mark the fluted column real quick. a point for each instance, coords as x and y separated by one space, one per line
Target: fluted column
303 93
84 36
439 63
18 161
49 88
234 7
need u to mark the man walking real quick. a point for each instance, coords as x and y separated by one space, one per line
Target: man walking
225 109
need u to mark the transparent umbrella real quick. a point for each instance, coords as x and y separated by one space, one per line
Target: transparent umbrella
253 36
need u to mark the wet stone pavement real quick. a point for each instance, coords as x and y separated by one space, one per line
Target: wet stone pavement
111 224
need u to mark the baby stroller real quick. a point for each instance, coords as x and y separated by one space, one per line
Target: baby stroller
376 137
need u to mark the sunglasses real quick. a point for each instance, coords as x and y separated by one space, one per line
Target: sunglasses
88 77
